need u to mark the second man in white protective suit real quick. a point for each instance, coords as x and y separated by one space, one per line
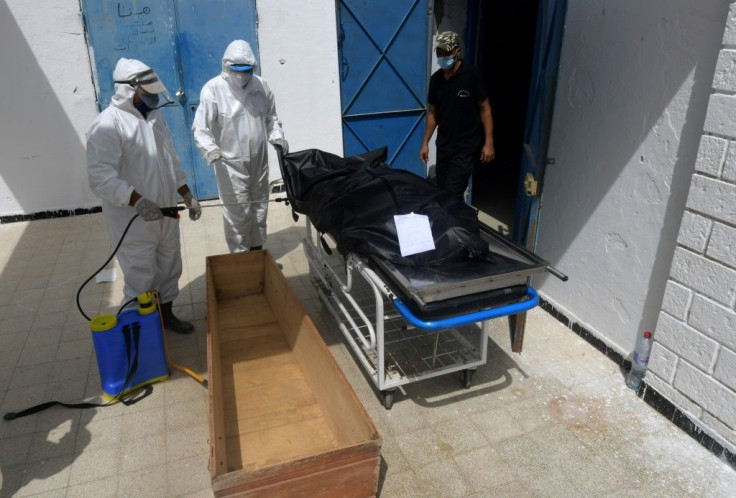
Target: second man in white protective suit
235 121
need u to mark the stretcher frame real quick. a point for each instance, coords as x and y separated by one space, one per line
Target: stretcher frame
392 344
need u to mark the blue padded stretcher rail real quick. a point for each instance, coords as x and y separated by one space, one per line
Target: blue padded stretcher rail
466 319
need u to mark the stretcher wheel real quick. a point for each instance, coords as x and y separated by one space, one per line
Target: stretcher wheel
388 398
468 377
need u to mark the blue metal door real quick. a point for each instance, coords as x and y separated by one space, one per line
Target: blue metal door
183 40
384 65
550 27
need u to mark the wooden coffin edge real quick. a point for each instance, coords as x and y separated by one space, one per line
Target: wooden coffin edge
316 475
364 454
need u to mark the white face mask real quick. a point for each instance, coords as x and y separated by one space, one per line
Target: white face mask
241 78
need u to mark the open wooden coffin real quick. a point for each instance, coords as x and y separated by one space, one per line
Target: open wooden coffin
284 421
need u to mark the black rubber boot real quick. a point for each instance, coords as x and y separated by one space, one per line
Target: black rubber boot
172 323
259 248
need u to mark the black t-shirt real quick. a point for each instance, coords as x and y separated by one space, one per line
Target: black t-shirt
456 102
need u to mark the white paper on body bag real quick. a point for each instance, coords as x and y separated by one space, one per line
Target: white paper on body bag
415 234
109 275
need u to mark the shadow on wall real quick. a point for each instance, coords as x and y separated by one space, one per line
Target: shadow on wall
616 129
43 165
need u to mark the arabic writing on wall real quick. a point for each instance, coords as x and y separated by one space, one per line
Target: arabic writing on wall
137 27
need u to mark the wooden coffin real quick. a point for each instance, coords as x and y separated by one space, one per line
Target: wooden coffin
284 421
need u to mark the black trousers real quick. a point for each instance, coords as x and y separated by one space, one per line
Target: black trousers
454 169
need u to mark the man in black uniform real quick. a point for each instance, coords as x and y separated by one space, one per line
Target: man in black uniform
459 106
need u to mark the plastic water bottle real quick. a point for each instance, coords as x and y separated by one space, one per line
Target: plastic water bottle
640 361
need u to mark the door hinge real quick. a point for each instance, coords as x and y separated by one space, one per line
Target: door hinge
530 185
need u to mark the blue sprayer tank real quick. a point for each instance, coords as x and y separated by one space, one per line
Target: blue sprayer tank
130 348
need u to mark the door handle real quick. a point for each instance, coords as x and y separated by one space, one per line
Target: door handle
180 94
530 185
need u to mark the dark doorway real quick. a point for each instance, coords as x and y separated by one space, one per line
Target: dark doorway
503 49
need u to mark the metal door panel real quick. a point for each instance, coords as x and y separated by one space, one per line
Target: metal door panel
401 133
131 29
550 27
205 29
384 54
143 31
183 40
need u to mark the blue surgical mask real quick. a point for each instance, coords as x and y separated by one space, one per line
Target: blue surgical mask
446 63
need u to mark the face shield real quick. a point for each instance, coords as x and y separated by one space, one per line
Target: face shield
149 89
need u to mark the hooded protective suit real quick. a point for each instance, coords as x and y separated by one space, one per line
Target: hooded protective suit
231 128
127 152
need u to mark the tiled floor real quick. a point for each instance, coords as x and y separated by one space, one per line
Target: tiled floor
556 420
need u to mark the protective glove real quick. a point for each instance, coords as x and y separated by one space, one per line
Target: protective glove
195 212
148 210
212 156
282 143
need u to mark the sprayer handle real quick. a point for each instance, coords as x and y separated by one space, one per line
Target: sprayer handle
172 212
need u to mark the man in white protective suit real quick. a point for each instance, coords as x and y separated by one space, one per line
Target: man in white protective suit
235 119
133 168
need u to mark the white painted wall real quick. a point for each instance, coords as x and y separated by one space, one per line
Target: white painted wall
48 99
631 102
298 51
46 104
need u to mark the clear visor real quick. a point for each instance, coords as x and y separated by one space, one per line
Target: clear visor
148 82
164 96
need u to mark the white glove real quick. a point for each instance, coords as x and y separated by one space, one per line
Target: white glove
195 212
212 156
148 210
282 143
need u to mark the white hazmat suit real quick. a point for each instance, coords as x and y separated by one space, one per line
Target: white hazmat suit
127 152
231 128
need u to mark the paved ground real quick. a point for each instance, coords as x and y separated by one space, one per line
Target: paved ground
556 420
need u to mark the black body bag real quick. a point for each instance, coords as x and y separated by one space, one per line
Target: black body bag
354 199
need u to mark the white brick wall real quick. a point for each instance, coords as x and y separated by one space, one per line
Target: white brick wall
677 299
711 155
686 342
714 320
729 169
711 395
703 275
722 245
725 371
693 361
694 231
725 69
712 197
663 363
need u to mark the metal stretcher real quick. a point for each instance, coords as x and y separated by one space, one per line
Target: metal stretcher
408 324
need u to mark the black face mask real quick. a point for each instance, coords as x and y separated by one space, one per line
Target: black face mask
142 108
150 100
146 102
